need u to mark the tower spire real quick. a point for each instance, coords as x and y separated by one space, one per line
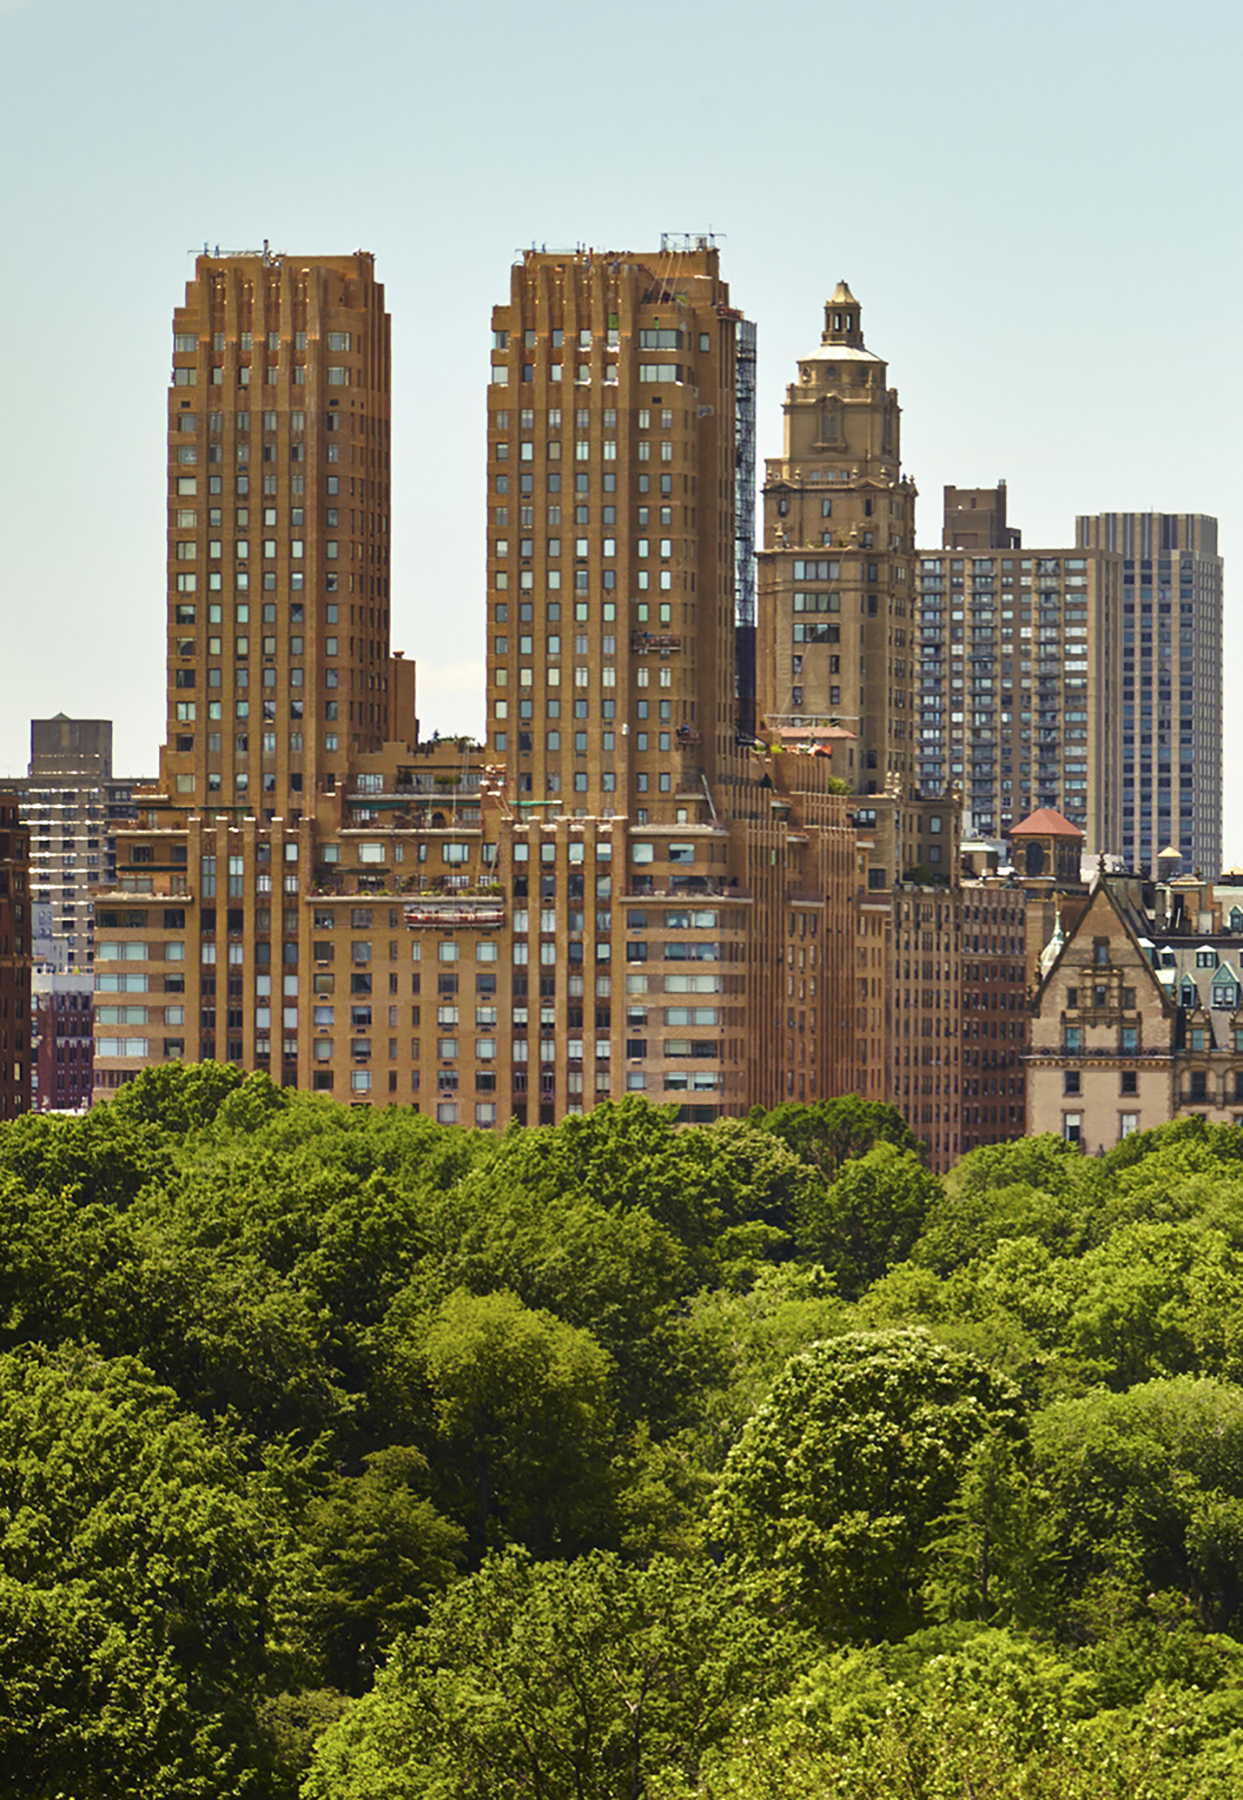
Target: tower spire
842 318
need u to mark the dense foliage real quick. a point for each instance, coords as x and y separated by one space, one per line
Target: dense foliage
346 1455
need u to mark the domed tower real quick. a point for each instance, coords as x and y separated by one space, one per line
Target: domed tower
836 617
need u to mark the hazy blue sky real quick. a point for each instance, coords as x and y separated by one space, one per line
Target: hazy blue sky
1036 203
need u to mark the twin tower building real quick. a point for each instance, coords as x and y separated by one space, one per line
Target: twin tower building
707 849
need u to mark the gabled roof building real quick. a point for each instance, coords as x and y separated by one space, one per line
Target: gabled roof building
1138 1018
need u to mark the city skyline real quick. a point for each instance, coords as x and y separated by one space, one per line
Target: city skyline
1036 366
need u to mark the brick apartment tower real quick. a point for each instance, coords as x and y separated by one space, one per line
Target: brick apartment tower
278 575
837 622
279 673
15 925
612 510
618 892
837 654
618 419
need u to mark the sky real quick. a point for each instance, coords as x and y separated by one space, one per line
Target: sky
1035 203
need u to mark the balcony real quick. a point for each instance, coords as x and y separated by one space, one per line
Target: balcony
429 912
681 887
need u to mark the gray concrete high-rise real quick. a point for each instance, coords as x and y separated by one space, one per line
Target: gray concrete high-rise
1170 778
73 803
1019 674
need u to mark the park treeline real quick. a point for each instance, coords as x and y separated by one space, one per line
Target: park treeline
348 1456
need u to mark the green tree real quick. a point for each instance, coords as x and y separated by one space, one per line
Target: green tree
182 1097
104 1159
1034 1187
573 1681
740 1341
519 1418
382 1551
1147 1488
971 1715
826 1133
616 1273
56 1253
868 1218
145 1584
835 1482
629 1158
230 1334
998 1544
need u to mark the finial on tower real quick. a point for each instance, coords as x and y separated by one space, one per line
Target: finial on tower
842 320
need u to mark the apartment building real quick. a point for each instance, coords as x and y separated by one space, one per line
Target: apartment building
837 602
15 959
280 676
62 1043
1020 686
73 804
612 894
994 1012
1171 686
1139 1015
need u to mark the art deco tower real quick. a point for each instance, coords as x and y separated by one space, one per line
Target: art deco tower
836 609
612 517
278 531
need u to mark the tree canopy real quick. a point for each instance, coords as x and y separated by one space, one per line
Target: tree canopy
343 1453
